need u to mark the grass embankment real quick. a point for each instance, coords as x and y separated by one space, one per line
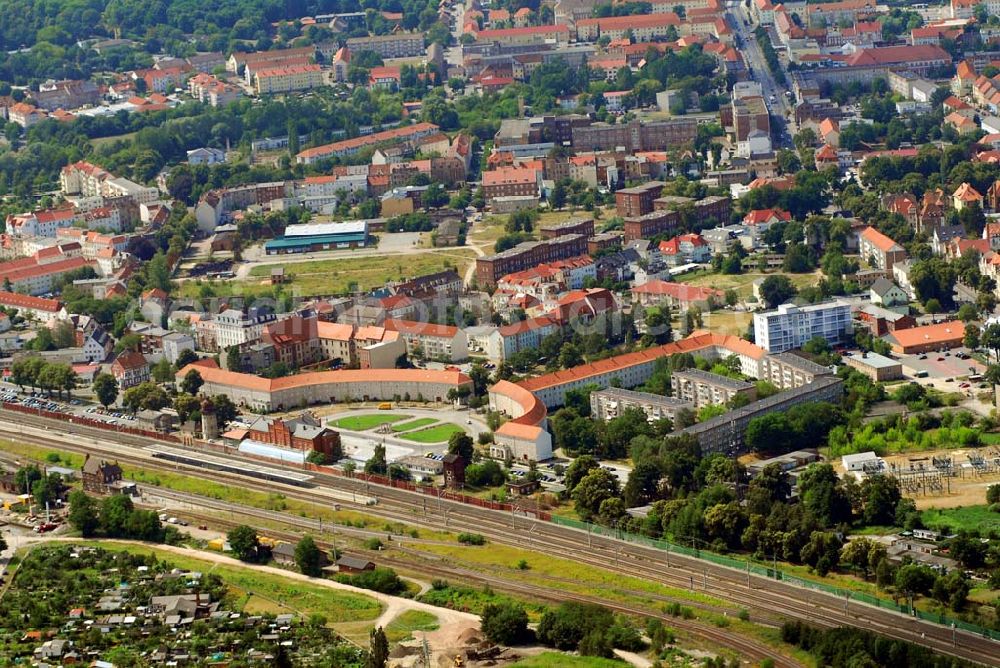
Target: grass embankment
364 422
557 660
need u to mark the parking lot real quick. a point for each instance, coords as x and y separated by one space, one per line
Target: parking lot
942 365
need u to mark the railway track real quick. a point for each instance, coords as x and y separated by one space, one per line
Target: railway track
754 592
745 647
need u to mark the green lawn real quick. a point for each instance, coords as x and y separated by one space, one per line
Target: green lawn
437 434
363 422
413 424
339 275
557 660
968 517
403 626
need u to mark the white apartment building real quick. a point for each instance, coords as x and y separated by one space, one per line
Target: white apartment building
790 326
234 328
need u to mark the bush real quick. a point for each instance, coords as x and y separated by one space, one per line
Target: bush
384 580
505 623
373 544
471 539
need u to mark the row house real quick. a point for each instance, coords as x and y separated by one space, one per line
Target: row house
525 334
240 60
511 182
834 13
398 136
558 33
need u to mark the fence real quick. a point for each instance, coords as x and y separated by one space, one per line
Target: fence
775 573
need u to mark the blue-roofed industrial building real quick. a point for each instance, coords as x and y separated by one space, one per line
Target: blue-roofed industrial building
313 237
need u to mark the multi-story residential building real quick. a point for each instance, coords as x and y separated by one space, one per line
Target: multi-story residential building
667 216
235 328
394 45
685 249
635 136
89 180
611 402
130 368
41 223
787 371
239 60
25 115
643 27
511 182
584 226
790 326
526 255
398 136
879 250
638 200
41 310
208 89
524 334
708 389
287 79
66 94
833 13
725 433
559 33
745 115
436 342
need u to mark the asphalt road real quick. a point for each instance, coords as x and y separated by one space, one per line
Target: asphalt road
774 94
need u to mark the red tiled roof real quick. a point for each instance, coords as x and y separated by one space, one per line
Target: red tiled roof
679 291
697 341
879 240
944 332
15 300
421 328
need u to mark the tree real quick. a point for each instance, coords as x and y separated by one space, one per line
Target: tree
378 649
881 495
777 290
377 464
592 490
863 554
569 356
915 579
643 484
578 469
244 543
820 493
146 395
162 371
225 410
505 623
186 406
83 513
486 473
185 357
192 382
461 444
822 552
308 557
557 198
115 512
